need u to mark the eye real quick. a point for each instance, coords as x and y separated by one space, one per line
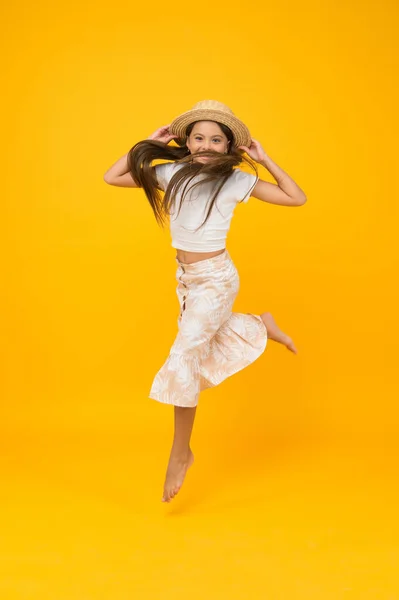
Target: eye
197 137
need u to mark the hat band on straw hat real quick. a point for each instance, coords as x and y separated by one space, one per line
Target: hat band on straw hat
211 110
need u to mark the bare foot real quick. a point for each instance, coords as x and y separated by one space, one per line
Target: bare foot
176 472
275 333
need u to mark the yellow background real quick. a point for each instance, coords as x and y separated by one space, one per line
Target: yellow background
294 488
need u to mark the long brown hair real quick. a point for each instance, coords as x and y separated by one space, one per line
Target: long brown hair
142 154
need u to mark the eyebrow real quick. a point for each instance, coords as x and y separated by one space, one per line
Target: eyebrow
216 134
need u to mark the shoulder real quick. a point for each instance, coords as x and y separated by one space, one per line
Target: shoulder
166 168
243 176
164 173
243 183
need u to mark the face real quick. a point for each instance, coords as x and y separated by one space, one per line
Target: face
207 135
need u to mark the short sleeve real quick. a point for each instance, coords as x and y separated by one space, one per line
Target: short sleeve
244 184
164 174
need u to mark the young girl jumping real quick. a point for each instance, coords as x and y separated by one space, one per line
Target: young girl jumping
202 184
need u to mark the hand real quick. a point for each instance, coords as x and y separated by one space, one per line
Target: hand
162 135
255 151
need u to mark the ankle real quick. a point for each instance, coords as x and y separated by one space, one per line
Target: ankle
180 453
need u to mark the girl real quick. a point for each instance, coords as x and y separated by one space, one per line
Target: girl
202 185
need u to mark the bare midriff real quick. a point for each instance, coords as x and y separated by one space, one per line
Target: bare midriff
191 257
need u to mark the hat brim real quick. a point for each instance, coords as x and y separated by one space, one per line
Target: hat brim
240 131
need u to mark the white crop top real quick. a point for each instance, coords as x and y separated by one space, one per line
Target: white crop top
212 235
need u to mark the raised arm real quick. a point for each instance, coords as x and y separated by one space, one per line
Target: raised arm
118 174
286 192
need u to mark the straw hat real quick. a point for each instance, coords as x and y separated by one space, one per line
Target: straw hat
211 110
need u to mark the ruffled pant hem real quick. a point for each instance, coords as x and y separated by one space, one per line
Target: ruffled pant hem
239 342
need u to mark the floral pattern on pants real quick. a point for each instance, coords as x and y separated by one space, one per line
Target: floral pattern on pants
212 342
